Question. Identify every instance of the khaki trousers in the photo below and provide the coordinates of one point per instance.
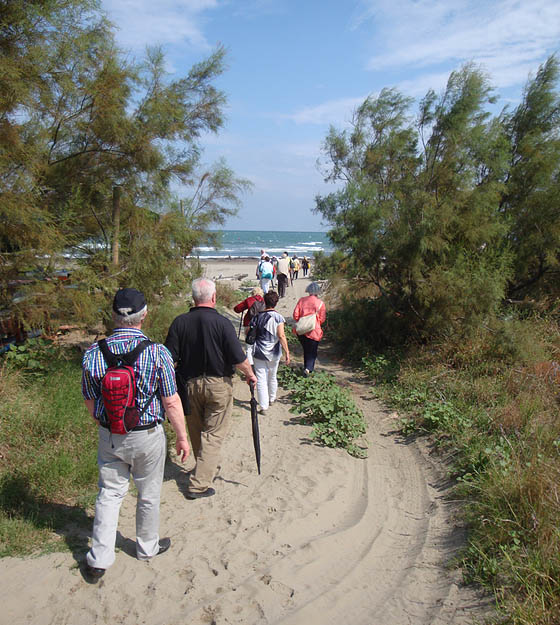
(210, 407)
(142, 455)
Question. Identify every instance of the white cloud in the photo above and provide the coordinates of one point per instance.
(418, 86)
(159, 22)
(331, 112)
(508, 37)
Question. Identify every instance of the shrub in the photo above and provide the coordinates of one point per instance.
(227, 296)
(336, 420)
(160, 317)
(49, 445)
(486, 406)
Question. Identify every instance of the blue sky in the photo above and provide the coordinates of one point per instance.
(297, 67)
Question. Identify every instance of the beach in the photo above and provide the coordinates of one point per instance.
(224, 269)
(319, 537)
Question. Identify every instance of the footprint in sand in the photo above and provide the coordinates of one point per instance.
(284, 592)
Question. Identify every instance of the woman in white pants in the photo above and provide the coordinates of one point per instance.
(271, 340)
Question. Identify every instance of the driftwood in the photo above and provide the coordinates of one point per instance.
(238, 276)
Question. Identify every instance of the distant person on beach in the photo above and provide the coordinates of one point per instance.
(274, 262)
(296, 266)
(206, 350)
(292, 271)
(305, 266)
(283, 271)
(271, 340)
(252, 304)
(141, 452)
(309, 305)
(265, 273)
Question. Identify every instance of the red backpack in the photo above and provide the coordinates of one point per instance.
(118, 388)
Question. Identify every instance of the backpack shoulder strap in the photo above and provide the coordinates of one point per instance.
(255, 319)
(263, 318)
(131, 357)
(110, 358)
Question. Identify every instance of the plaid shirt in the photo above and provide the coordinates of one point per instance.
(153, 370)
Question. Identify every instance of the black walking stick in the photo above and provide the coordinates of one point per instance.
(240, 322)
(255, 426)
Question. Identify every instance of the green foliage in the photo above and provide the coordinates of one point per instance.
(327, 265)
(382, 367)
(32, 357)
(496, 420)
(227, 296)
(49, 443)
(215, 198)
(336, 420)
(451, 212)
(366, 325)
(77, 118)
(160, 317)
(530, 199)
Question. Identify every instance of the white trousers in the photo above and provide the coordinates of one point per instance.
(267, 384)
(142, 455)
(265, 284)
(249, 352)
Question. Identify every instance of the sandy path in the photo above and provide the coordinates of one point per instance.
(318, 538)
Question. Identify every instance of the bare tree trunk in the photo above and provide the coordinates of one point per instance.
(116, 223)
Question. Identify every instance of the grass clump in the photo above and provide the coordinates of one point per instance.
(227, 296)
(495, 416)
(160, 317)
(336, 420)
(48, 469)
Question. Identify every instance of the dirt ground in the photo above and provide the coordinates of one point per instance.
(318, 538)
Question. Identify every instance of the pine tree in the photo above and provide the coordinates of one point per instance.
(78, 118)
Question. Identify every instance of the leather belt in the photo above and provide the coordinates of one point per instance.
(138, 428)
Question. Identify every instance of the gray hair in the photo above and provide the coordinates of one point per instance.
(313, 288)
(129, 321)
(202, 290)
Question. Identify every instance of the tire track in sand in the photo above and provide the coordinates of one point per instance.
(319, 538)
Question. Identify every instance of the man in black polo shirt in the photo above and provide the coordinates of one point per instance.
(206, 351)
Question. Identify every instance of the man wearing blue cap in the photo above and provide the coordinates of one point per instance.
(141, 452)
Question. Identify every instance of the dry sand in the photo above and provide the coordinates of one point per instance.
(318, 538)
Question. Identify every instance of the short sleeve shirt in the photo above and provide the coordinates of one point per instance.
(267, 345)
(153, 370)
(203, 342)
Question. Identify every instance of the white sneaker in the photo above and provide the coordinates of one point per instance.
(263, 411)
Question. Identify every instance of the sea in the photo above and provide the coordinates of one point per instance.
(249, 243)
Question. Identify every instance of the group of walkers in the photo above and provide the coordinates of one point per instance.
(269, 325)
(130, 384)
(190, 375)
(284, 269)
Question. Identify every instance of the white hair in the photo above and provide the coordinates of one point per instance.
(313, 288)
(129, 321)
(202, 290)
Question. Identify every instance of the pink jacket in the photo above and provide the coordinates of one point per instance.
(307, 306)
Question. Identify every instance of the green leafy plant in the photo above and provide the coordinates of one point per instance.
(380, 367)
(32, 356)
(336, 420)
